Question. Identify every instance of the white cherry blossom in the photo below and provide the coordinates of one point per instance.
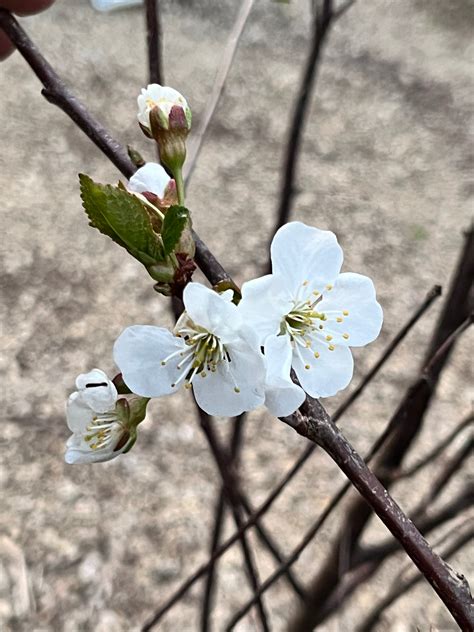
(92, 416)
(210, 350)
(307, 314)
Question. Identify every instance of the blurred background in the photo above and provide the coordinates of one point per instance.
(386, 164)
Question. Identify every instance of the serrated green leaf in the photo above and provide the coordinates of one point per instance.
(123, 217)
(174, 223)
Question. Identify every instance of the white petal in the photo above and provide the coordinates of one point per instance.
(78, 413)
(265, 302)
(327, 374)
(97, 391)
(282, 395)
(303, 254)
(211, 311)
(139, 352)
(355, 294)
(151, 177)
(216, 392)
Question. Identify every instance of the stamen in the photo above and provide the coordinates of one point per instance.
(345, 312)
(331, 347)
(346, 336)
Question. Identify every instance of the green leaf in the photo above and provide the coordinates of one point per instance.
(123, 217)
(174, 223)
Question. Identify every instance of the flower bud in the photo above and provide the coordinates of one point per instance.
(163, 114)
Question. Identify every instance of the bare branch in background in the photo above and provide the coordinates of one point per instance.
(324, 17)
(437, 450)
(154, 42)
(399, 589)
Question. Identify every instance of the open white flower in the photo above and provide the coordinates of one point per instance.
(99, 432)
(169, 103)
(307, 314)
(210, 350)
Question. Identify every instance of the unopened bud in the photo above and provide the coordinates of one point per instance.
(163, 114)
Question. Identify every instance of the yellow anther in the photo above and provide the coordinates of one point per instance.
(203, 373)
(339, 319)
(187, 385)
(316, 354)
(329, 286)
(305, 283)
(346, 336)
(331, 347)
(307, 366)
(345, 312)
(308, 344)
(237, 389)
(316, 293)
(328, 337)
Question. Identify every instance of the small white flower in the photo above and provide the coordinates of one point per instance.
(164, 99)
(98, 433)
(307, 314)
(210, 350)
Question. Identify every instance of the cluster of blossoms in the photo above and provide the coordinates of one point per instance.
(234, 354)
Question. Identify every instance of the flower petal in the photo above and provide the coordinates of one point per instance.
(151, 177)
(282, 395)
(305, 255)
(97, 391)
(213, 312)
(234, 387)
(354, 316)
(140, 351)
(326, 374)
(78, 451)
(78, 413)
(265, 302)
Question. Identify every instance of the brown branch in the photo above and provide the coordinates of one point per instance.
(365, 566)
(316, 425)
(454, 592)
(324, 17)
(154, 38)
(400, 589)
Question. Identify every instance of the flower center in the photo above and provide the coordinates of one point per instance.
(303, 319)
(102, 431)
(203, 352)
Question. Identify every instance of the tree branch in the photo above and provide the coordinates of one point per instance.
(319, 428)
(154, 38)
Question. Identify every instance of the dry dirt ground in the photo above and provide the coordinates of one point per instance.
(385, 165)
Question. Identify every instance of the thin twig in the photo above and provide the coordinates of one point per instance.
(154, 42)
(197, 138)
(435, 453)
